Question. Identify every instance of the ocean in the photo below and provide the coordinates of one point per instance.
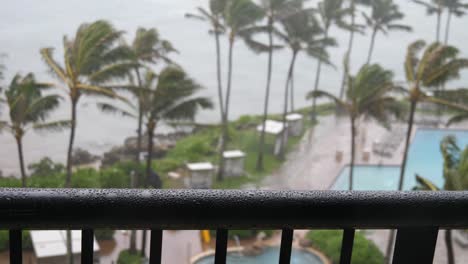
(28, 25)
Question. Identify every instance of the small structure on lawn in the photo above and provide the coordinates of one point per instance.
(234, 161)
(295, 124)
(278, 130)
(50, 247)
(200, 175)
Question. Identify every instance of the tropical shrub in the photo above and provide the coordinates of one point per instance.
(125, 257)
(329, 242)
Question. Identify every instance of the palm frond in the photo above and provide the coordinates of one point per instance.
(424, 184)
(111, 109)
(56, 126)
(54, 67)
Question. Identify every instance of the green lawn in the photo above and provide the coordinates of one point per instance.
(202, 145)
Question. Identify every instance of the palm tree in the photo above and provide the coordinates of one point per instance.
(437, 65)
(28, 109)
(274, 11)
(455, 179)
(368, 95)
(352, 30)
(383, 17)
(301, 33)
(433, 7)
(239, 16)
(214, 17)
(147, 48)
(90, 58)
(454, 7)
(331, 12)
(171, 96)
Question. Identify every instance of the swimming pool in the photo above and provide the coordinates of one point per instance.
(424, 158)
(269, 255)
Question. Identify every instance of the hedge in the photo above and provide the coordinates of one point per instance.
(329, 242)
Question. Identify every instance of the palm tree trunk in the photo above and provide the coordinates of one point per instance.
(226, 111)
(449, 245)
(439, 14)
(149, 158)
(285, 110)
(407, 143)
(19, 143)
(133, 248)
(353, 152)
(218, 75)
(261, 146)
(447, 27)
(371, 48)
(348, 53)
(69, 247)
(413, 105)
(291, 83)
(317, 79)
(69, 172)
(70, 143)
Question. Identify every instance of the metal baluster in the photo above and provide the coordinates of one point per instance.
(221, 246)
(16, 248)
(415, 245)
(286, 246)
(87, 246)
(156, 246)
(347, 246)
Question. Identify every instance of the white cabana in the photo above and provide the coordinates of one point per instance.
(50, 247)
(233, 163)
(200, 175)
(278, 130)
(295, 124)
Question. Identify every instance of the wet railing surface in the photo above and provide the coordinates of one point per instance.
(417, 216)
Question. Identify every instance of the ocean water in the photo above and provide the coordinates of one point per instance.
(424, 159)
(28, 25)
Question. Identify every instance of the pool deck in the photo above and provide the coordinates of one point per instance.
(312, 166)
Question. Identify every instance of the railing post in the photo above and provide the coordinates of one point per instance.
(16, 248)
(87, 246)
(286, 245)
(156, 246)
(347, 246)
(221, 246)
(415, 245)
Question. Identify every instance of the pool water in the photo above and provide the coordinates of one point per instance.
(424, 159)
(269, 255)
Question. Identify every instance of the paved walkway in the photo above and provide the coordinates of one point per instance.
(312, 166)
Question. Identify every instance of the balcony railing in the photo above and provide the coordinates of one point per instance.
(417, 216)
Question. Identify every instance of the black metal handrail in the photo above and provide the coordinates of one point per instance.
(417, 215)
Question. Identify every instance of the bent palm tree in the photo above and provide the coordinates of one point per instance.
(433, 7)
(146, 48)
(383, 17)
(28, 109)
(331, 12)
(437, 65)
(274, 11)
(455, 8)
(455, 179)
(301, 33)
(353, 28)
(171, 96)
(214, 17)
(90, 58)
(239, 16)
(368, 95)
